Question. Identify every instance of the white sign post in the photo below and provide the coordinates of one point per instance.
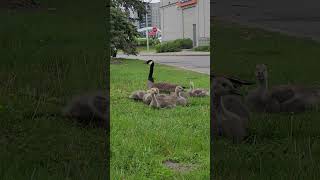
(147, 33)
(146, 29)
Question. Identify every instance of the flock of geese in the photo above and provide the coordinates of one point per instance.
(164, 94)
(232, 112)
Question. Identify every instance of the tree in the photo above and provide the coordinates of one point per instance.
(122, 31)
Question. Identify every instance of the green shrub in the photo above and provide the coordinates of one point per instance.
(141, 41)
(202, 48)
(184, 43)
(169, 46)
(155, 42)
(174, 46)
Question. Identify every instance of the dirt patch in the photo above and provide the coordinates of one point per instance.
(179, 167)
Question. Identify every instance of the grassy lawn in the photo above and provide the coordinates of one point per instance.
(46, 58)
(202, 48)
(282, 146)
(141, 137)
(144, 49)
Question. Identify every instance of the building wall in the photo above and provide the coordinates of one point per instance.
(171, 21)
(178, 22)
(204, 22)
(155, 13)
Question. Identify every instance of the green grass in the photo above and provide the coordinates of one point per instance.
(202, 48)
(144, 49)
(282, 146)
(142, 137)
(46, 58)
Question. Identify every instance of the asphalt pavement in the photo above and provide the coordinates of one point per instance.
(190, 61)
(293, 17)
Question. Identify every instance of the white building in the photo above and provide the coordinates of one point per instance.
(153, 16)
(186, 19)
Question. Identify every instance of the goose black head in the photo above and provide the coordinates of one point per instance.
(222, 86)
(149, 62)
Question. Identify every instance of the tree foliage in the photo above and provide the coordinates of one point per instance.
(122, 31)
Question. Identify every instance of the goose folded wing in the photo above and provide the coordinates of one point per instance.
(165, 87)
(282, 93)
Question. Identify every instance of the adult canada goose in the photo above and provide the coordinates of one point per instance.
(282, 98)
(237, 82)
(88, 108)
(197, 92)
(137, 95)
(229, 121)
(161, 101)
(162, 86)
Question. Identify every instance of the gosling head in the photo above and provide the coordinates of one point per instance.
(261, 72)
(222, 86)
(153, 91)
(179, 89)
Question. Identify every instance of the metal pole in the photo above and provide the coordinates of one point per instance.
(146, 27)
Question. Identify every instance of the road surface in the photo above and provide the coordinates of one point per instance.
(294, 17)
(199, 64)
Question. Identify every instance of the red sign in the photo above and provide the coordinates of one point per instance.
(183, 3)
(152, 33)
(154, 29)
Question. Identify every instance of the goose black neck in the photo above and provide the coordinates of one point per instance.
(150, 78)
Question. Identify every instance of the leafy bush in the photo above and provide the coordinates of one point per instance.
(169, 46)
(155, 42)
(202, 48)
(184, 43)
(174, 46)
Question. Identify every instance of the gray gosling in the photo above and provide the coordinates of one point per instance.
(227, 122)
(88, 108)
(161, 101)
(197, 92)
(137, 95)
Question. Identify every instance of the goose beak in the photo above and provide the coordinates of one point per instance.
(236, 91)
